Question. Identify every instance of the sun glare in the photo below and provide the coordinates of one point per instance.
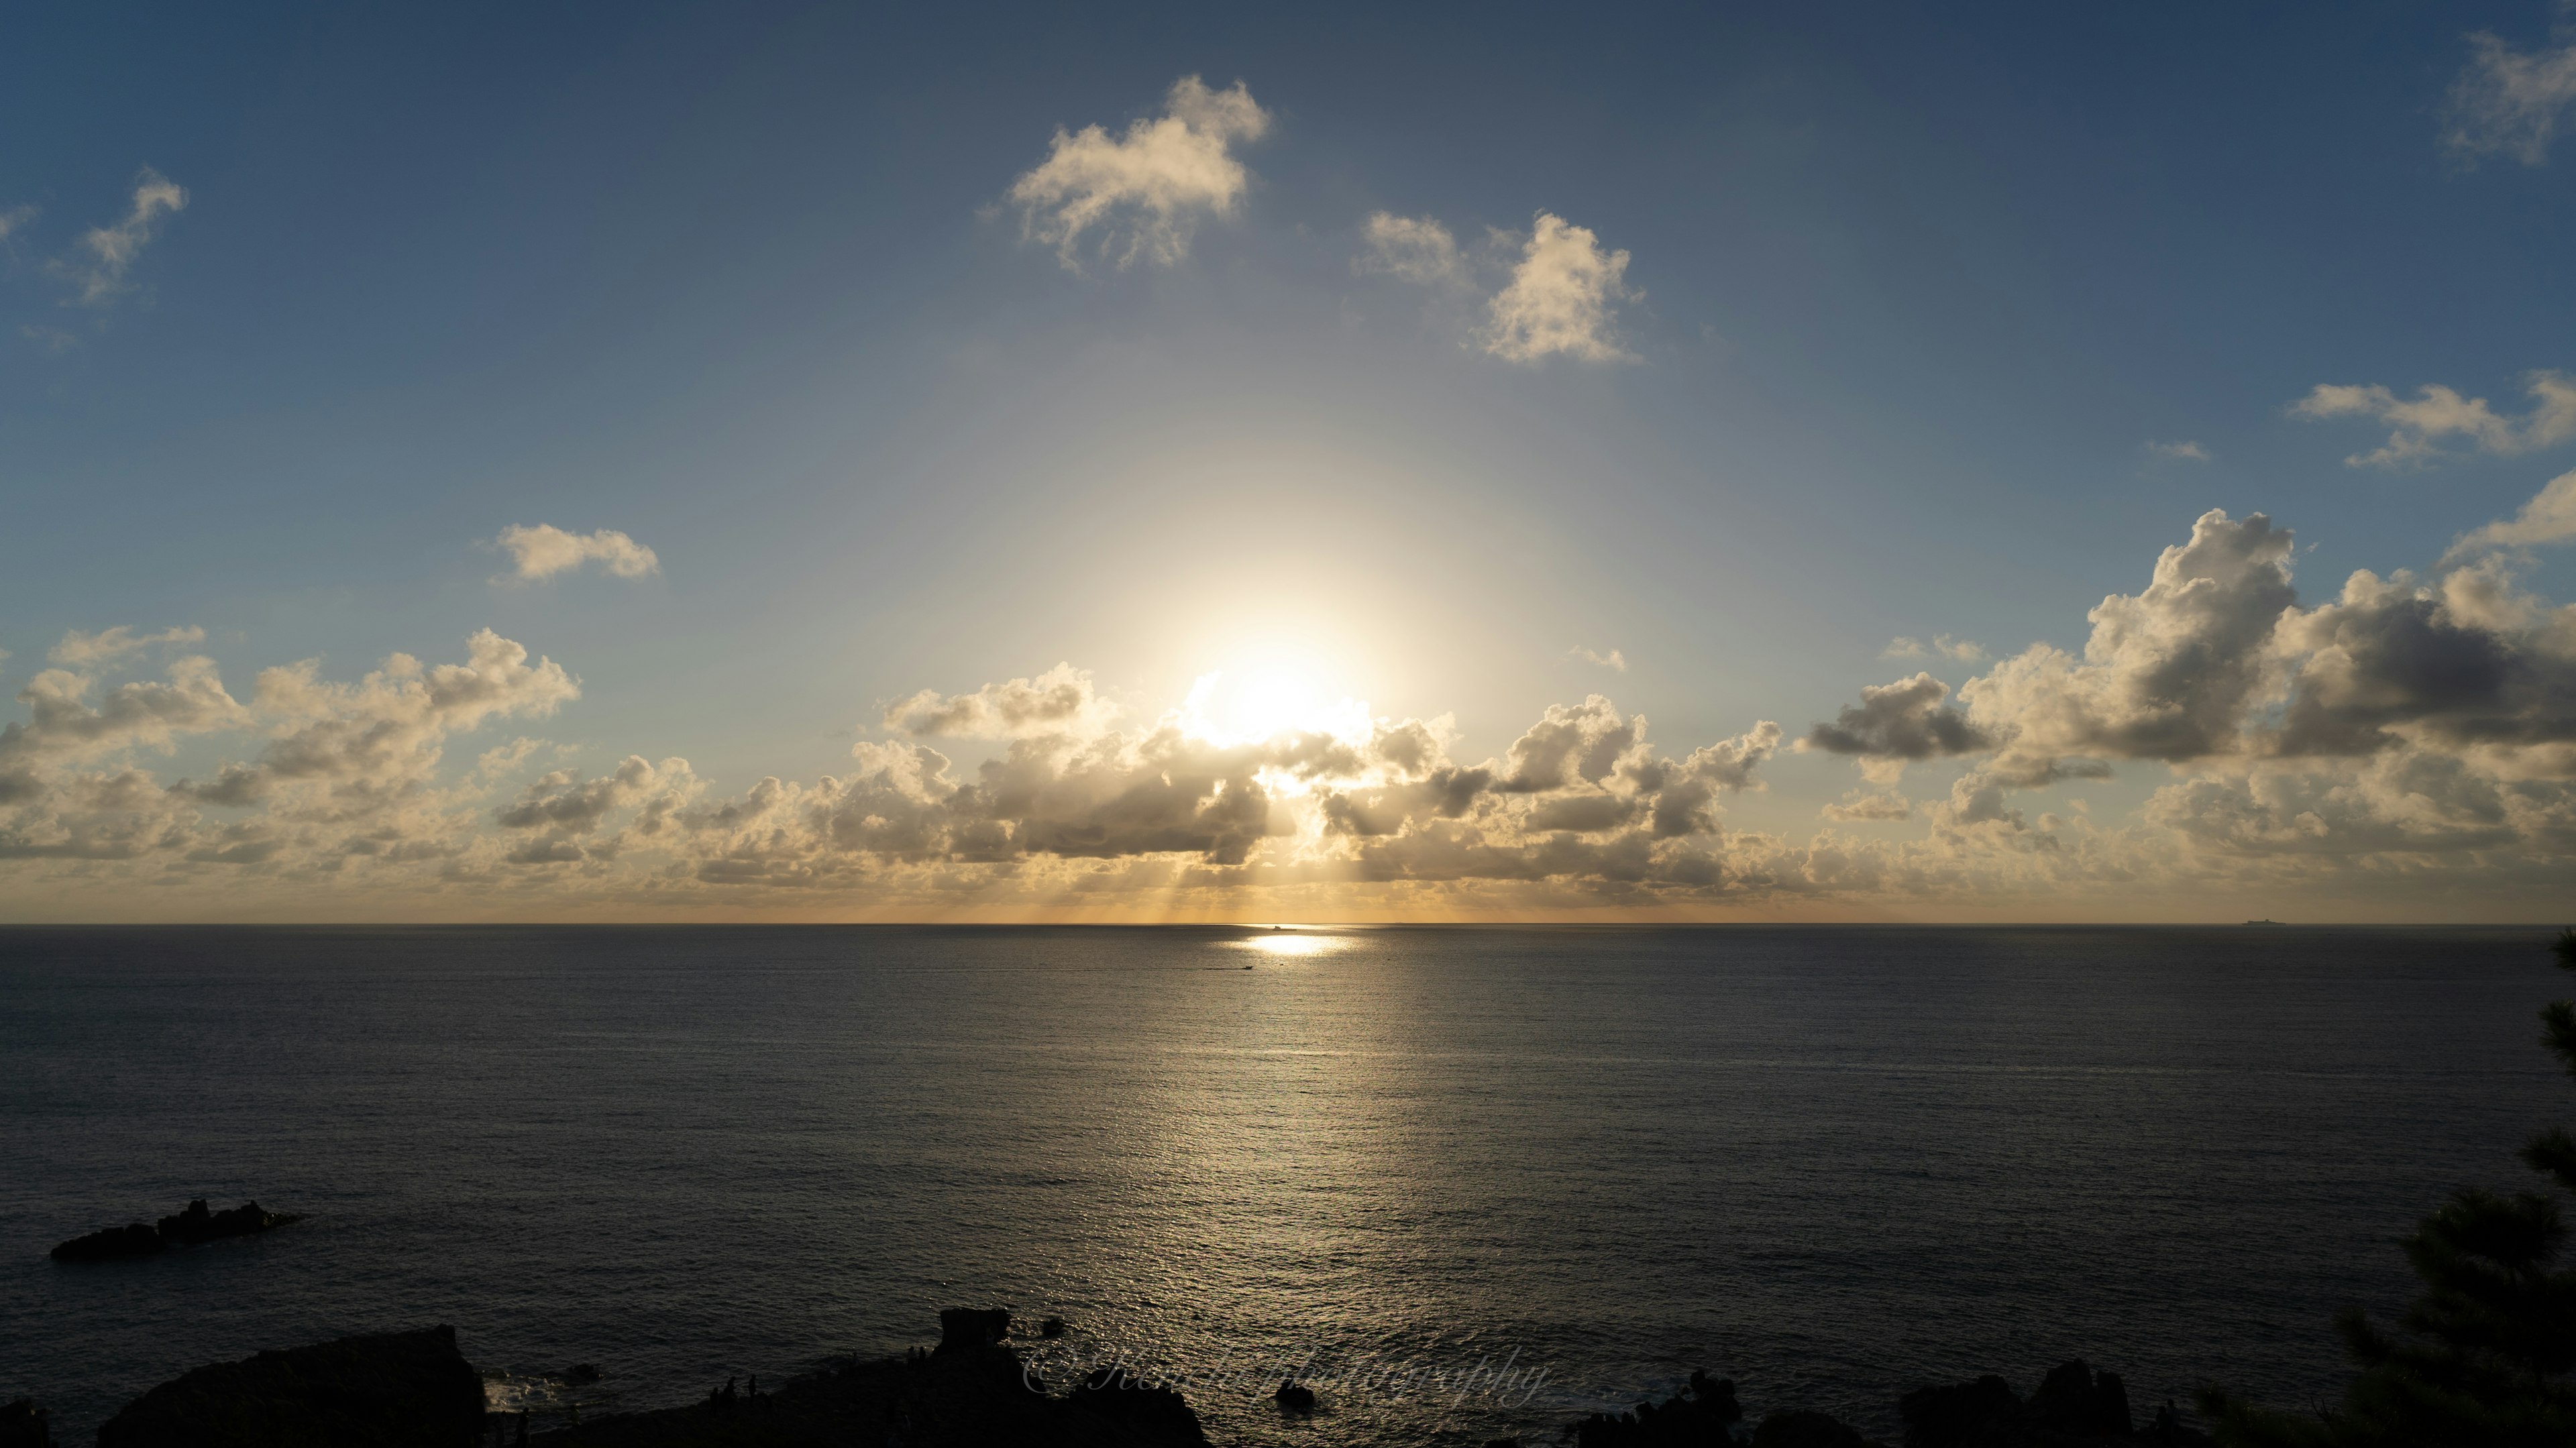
(1269, 702)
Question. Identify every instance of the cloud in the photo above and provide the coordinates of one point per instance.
(2406, 744)
(1143, 192)
(1908, 720)
(2509, 100)
(1614, 660)
(2179, 451)
(1887, 805)
(85, 650)
(2419, 427)
(1562, 298)
(1059, 701)
(1964, 650)
(546, 550)
(2550, 517)
(1412, 249)
(15, 219)
(96, 271)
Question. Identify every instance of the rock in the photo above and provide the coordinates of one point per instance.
(24, 1425)
(181, 1229)
(1805, 1430)
(1959, 1415)
(1053, 1327)
(1294, 1397)
(965, 1329)
(388, 1390)
(111, 1244)
(196, 1224)
(1704, 1413)
(2075, 1400)
(584, 1373)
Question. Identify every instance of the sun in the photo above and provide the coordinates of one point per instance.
(1268, 702)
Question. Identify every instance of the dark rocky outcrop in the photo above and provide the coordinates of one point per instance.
(2074, 1407)
(1806, 1430)
(1704, 1413)
(180, 1229)
(1294, 1398)
(972, 1392)
(24, 1425)
(971, 1329)
(387, 1390)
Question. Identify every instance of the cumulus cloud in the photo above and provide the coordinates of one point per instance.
(1143, 192)
(1562, 299)
(2179, 451)
(2549, 517)
(2405, 739)
(546, 550)
(96, 270)
(1413, 249)
(2419, 427)
(1614, 661)
(1062, 700)
(2509, 101)
(80, 650)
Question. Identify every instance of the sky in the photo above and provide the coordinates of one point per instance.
(634, 462)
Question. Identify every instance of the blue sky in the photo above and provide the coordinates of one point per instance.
(1909, 299)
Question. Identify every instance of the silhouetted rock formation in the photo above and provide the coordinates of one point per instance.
(1704, 1413)
(388, 1390)
(24, 1425)
(1294, 1397)
(2075, 1407)
(971, 1393)
(1806, 1430)
(181, 1229)
(971, 1328)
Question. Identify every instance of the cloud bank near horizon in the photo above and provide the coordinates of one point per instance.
(2408, 736)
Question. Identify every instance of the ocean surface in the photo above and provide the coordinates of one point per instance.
(1833, 1163)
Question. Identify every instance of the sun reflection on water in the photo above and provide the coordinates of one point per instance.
(1294, 943)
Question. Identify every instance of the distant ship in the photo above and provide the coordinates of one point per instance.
(2262, 922)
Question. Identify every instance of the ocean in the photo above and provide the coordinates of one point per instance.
(1475, 1181)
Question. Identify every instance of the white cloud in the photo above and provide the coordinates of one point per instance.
(1059, 701)
(2418, 427)
(1143, 192)
(1614, 660)
(96, 272)
(2179, 451)
(546, 550)
(1887, 805)
(2509, 100)
(13, 219)
(86, 650)
(2550, 517)
(1412, 249)
(1562, 298)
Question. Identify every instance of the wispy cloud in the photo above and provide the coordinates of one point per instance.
(1562, 299)
(1411, 248)
(2550, 517)
(1143, 192)
(80, 650)
(546, 550)
(2420, 426)
(2180, 451)
(96, 270)
(1946, 646)
(2509, 100)
(1614, 660)
(13, 219)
